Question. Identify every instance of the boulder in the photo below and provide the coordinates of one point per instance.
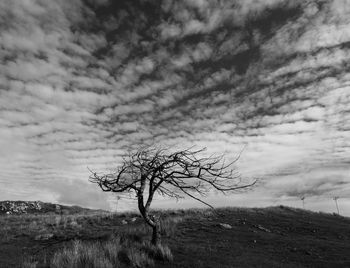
(225, 226)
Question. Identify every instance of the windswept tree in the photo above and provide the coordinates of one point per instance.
(176, 174)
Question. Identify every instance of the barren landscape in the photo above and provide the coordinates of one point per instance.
(226, 237)
(174, 133)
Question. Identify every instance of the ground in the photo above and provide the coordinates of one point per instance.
(263, 237)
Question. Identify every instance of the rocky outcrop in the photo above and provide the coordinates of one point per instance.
(38, 207)
(20, 207)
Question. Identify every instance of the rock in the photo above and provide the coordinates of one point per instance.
(19, 207)
(263, 229)
(225, 226)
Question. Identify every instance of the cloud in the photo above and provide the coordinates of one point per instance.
(82, 82)
(78, 192)
(315, 182)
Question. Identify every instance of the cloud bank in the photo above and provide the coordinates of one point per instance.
(83, 81)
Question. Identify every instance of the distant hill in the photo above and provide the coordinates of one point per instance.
(38, 207)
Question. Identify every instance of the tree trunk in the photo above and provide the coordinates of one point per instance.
(151, 220)
(156, 236)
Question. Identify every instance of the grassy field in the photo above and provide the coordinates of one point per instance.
(269, 237)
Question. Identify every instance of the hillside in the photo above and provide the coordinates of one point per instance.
(271, 237)
(228, 237)
(37, 207)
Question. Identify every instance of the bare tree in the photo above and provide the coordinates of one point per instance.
(173, 174)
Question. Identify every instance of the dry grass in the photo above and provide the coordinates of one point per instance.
(29, 263)
(158, 252)
(297, 238)
(32, 225)
(81, 255)
(127, 246)
(115, 252)
(168, 225)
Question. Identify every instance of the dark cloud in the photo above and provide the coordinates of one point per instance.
(81, 82)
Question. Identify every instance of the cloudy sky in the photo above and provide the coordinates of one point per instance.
(82, 81)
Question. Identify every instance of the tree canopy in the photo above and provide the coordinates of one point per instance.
(172, 174)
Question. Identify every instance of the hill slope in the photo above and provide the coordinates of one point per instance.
(269, 237)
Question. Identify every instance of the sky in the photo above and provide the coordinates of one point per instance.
(83, 81)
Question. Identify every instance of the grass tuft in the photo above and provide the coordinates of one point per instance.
(83, 255)
(116, 252)
(158, 252)
(29, 263)
(134, 257)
